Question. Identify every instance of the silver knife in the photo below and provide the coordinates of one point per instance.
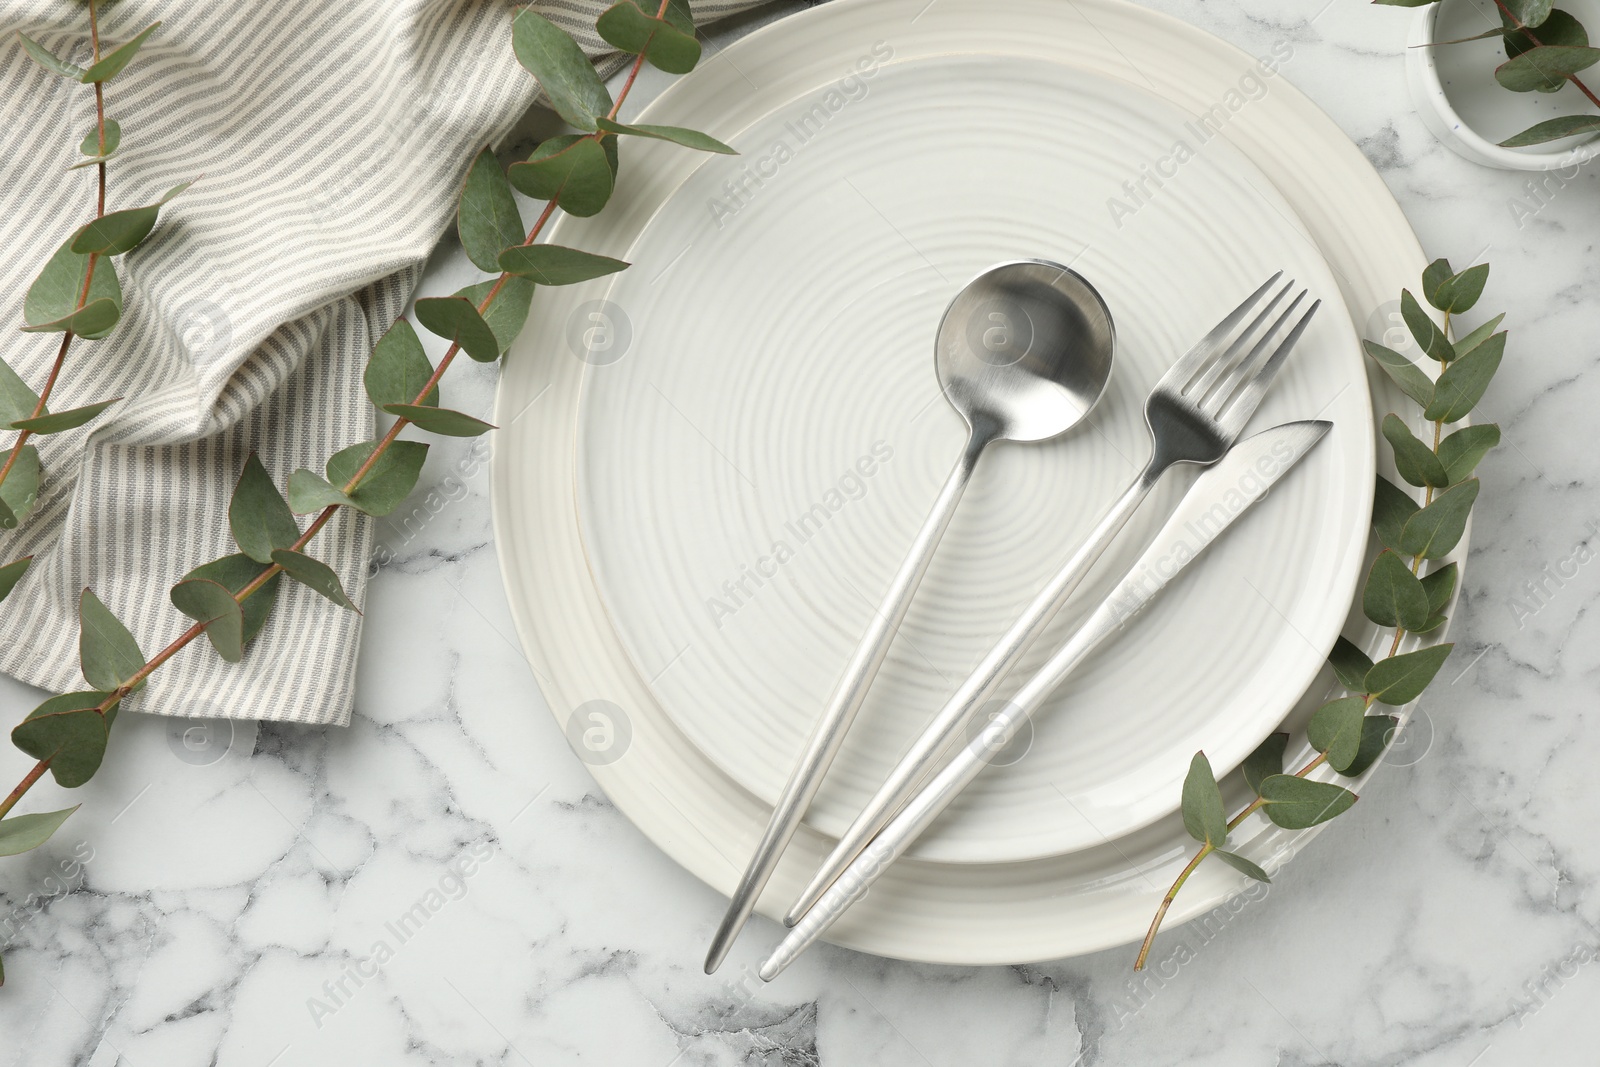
(1216, 499)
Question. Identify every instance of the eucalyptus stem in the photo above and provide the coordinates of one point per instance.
(1166, 902)
(23, 786)
(116, 696)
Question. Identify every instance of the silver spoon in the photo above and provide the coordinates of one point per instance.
(1023, 353)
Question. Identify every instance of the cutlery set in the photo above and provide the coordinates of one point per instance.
(1023, 353)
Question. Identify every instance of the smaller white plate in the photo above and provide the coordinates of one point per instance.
(751, 472)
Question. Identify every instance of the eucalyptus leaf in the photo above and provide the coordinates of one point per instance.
(48, 59)
(694, 139)
(440, 420)
(564, 73)
(61, 421)
(92, 161)
(507, 312)
(398, 369)
(19, 493)
(1553, 130)
(680, 15)
(1203, 815)
(456, 319)
(235, 574)
(382, 489)
(1415, 461)
(1435, 530)
(107, 652)
(90, 145)
(258, 516)
(314, 574)
(556, 265)
(1464, 382)
(1461, 451)
(17, 401)
(94, 319)
(1400, 679)
(52, 299)
(1350, 665)
(1545, 68)
(1412, 379)
(1475, 338)
(210, 603)
(486, 216)
(112, 64)
(70, 733)
(1393, 596)
(1432, 624)
(310, 491)
(1437, 273)
(571, 170)
(1440, 585)
(1335, 730)
(390, 480)
(121, 231)
(1391, 508)
(1559, 27)
(12, 573)
(1297, 803)
(1461, 292)
(608, 145)
(1531, 13)
(1266, 760)
(628, 28)
(1376, 730)
(1240, 864)
(1427, 333)
(23, 833)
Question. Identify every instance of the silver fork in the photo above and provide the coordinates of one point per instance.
(1195, 414)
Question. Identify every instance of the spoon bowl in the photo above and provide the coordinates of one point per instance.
(1025, 350)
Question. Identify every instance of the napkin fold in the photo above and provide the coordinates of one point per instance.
(329, 142)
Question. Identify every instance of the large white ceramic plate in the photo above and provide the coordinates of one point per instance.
(959, 913)
(752, 469)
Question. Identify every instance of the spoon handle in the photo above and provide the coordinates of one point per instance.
(953, 720)
(828, 734)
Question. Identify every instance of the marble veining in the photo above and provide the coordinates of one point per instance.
(442, 882)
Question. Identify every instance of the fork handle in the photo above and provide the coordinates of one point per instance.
(828, 734)
(946, 730)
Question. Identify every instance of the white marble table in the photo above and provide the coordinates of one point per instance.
(443, 882)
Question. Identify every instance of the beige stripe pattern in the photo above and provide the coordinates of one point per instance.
(331, 140)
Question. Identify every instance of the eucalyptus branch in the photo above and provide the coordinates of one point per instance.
(1527, 31)
(77, 294)
(231, 598)
(1542, 61)
(1397, 594)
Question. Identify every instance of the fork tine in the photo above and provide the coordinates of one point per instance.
(1238, 412)
(1213, 402)
(1180, 372)
(1230, 359)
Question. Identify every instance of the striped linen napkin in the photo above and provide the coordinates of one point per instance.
(333, 139)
